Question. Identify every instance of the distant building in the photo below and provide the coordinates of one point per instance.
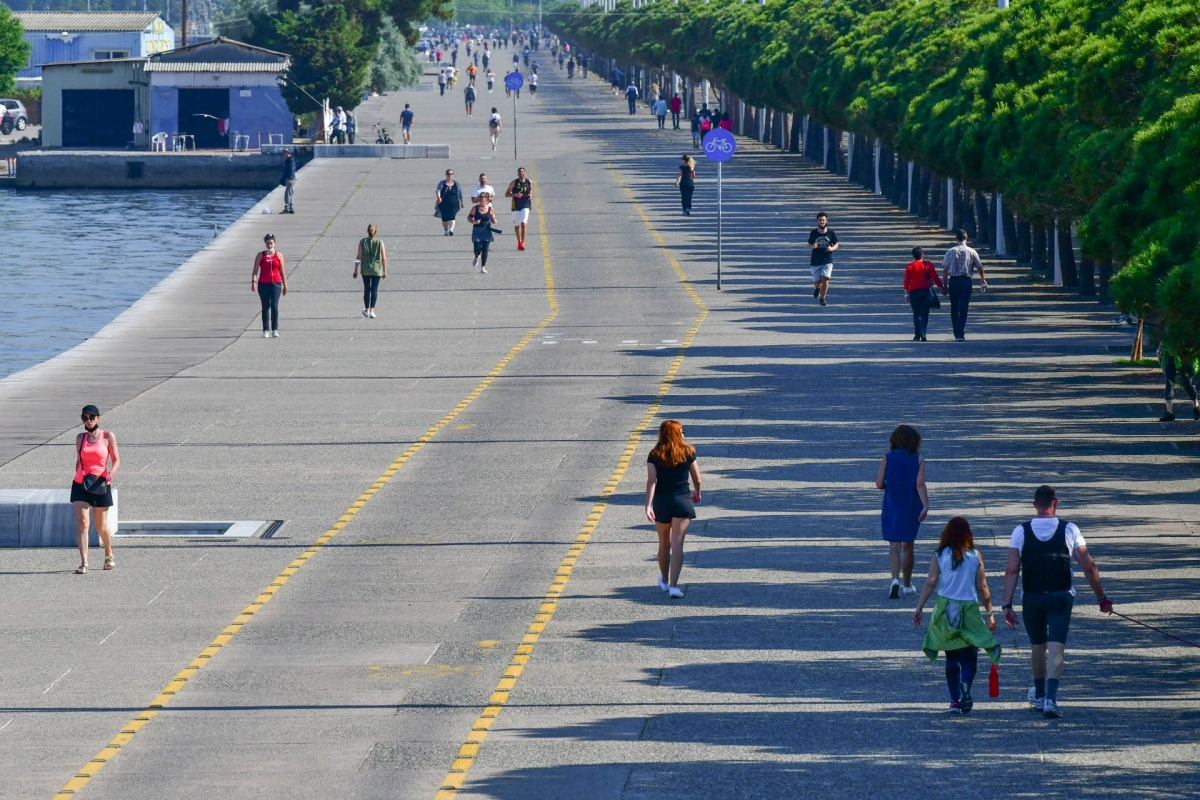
(207, 95)
(61, 36)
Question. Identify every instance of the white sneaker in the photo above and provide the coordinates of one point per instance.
(663, 584)
(266, 334)
(675, 592)
(371, 313)
(908, 589)
(483, 270)
(274, 334)
(1035, 703)
(894, 590)
(365, 314)
(1050, 709)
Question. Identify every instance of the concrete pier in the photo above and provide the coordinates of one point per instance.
(87, 169)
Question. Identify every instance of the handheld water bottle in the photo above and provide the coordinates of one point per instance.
(994, 682)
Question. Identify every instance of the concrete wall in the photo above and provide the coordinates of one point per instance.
(164, 110)
(67, 169)
(381, 151)
(259, 108)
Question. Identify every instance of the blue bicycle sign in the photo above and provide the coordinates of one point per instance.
(514, 81)
(719, 145)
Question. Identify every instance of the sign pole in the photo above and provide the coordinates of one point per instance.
(720, 184)
(513, 82)
(515, 125)
(719, 145)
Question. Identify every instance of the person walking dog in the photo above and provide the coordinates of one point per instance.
(668, 504)
(957, 627)
(95, 450)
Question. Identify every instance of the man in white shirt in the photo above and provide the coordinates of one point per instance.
(482, 189)
(1043, 548)
(958, 267)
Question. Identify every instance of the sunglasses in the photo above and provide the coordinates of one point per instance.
(88, 417)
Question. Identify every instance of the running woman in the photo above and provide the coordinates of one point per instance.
(521, 192)
(668, 504)
(406, 123)
(957, 628)
(91, 488)
(491, 80)
(507, 91)
(822, 241)
(372, 262)
(270, 281)
(494, 126)
(1042, 550)
(533, 79)
(482, 217)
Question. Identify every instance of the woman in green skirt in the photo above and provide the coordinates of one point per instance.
(957, 627)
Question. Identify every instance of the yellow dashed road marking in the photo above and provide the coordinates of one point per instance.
(177, 684)
(470, 749)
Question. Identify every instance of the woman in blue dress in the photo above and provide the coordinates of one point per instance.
(905, 503)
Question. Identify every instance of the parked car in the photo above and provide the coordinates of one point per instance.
(14, 116)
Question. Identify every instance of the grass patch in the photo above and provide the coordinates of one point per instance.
(1144, 362)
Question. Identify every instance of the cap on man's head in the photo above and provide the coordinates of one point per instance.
(90, 409)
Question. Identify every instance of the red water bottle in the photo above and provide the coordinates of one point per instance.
(994, 682)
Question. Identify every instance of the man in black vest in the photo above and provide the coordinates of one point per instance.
(1042, 549)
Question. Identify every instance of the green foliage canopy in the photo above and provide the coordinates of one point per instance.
(14, 50)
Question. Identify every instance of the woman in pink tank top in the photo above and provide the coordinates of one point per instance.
(91, 489)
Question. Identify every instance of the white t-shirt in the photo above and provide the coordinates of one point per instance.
(533, 79)
(481, 190)
(494, 121)
(1043, 529)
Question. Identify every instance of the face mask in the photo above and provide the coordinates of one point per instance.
(93, 428)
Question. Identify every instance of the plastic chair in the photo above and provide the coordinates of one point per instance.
(158, 142)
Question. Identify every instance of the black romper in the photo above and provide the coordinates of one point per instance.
(672, 495)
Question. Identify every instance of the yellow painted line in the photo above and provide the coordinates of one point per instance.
(469, 751)
(177, 684)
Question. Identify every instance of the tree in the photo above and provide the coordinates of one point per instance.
(395, 63)
(14, 50)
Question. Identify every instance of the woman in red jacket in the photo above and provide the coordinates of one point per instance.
(919, 279)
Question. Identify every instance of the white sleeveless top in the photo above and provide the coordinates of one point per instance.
(958, 584)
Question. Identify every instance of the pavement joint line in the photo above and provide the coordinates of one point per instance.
(90, 769)
(469, 750)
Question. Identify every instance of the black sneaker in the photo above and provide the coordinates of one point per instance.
(1195, 412)
(816, 293)
(967, 703)
(916, 338)
(1167, 417)
(823, 302)
(923, 339)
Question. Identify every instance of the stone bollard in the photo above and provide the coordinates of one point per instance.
(43, 518)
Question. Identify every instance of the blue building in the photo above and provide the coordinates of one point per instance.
(65, 36)
(217, 91)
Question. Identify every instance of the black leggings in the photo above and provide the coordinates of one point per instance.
(1172, 373)
(370, 290)
(685, 196)
(481, 250)
(961, 666)
(269, 294)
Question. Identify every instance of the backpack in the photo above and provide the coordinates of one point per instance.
(705, 124)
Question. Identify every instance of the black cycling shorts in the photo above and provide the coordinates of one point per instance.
(1047, 616)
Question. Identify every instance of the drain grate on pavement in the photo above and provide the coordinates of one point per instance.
(187, 529)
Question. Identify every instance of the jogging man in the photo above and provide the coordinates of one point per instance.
(406, 121)
(484, 188)
(494, 126)
(521, 192)
(822, 241)
(959, 265)
(1042, 550)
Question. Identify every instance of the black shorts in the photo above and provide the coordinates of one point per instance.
(669, 508)
(1047, 616)
(78, 495)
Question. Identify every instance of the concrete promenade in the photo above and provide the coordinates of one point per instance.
(784, 673)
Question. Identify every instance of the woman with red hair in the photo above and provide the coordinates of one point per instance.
(670, 504)
(957, 627)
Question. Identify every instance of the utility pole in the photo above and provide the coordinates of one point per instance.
(185, 21)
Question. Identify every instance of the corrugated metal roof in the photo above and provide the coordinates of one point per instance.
(58, 21)
(216, 66)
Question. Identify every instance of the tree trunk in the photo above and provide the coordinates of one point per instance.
(984, 219)
(937, 198)
(1087, 277)
(1024, 242)
(794, 144)
(1106, 272)
(1039, 249)
(1136, 355)
(1009, 222)
(1066, 254)
(899, 192)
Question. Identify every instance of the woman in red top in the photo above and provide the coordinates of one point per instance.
(919, 278)
(91, 489)
(270, 281)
